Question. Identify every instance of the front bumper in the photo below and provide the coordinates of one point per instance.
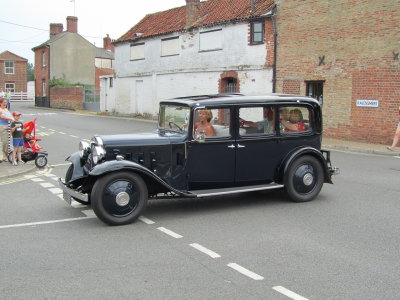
(70, 194)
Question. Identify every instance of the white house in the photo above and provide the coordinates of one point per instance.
(205, 47)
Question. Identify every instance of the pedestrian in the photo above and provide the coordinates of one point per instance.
(17, 130)
(5, 119)
(396, 137)
(8, 98)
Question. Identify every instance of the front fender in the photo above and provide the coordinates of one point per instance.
(75, 159)
(118, 165)
(293, 155)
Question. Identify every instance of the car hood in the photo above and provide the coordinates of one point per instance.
(138, 139)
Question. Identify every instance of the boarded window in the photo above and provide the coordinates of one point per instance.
(170, 46)
(137, 51)
(211, 40)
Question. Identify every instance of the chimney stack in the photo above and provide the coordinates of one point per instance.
(192, 12)
(107, 43)
(72, 24)
(55, 28)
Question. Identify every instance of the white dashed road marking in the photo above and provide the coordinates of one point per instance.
(170, 233)
(245, 272)
(145, 220)
(288, 293)
(205, 250)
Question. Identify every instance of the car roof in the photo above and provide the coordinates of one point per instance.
(234, 99)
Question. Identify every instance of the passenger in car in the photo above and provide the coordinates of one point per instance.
(266, 125)
(204, 125)
(295, 122)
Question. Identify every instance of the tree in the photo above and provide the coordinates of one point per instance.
(30, 72)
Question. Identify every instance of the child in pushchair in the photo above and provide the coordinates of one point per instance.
(31, 149)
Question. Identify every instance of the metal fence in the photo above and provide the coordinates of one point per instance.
(91, 100)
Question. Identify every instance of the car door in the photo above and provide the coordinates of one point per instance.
(211, 162)
(257, 146)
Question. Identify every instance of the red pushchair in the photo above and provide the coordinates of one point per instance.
(31, 150)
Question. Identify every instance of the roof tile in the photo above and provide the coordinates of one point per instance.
(211, 12)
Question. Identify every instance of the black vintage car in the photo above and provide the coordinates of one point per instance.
(204, 146)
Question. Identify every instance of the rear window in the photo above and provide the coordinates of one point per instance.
(294, 119)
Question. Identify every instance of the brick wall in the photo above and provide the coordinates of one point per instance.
(67, 97)
(351, 46)
(41, 72)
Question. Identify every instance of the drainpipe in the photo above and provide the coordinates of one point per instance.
(273, 18)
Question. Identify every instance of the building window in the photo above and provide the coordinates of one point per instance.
(111, 82)
(257, 32)
(44, 88)
(170, 46)
(137, 51)
(229, 85)
(10, 87)
(211, 40)
(9, 67)
(43, 59)
(315, 89)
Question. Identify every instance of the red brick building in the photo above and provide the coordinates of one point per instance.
(13, 72)
(346, 52)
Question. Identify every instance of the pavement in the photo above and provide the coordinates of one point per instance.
(8, 171)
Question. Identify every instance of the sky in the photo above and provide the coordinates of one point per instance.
(25, 24)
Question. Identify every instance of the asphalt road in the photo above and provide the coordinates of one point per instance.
(342, 245)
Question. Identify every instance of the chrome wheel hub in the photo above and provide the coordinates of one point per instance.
(308, 179)
(122, 198)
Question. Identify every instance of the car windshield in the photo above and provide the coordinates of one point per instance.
(174, 118)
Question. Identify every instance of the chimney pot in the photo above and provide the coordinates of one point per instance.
(192, 12)
(72, 24)
(55, 28)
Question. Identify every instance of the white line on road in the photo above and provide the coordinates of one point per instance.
(245, 272)
(44, 222)
(55, 190)
(145, 220)
(288, 293)
(205, 250)
(169, 232)
(47, 184)
(37, 179)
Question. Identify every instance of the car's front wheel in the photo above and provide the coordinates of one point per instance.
(119, 198)
(304, 179)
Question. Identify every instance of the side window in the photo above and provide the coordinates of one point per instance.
(211, 123)
(256, 120)
(295, 119)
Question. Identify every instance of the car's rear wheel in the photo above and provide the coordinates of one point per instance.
(119, 198)
(304, 179)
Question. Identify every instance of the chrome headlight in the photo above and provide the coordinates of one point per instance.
(83, 147)
(98, 153)
(97, 141)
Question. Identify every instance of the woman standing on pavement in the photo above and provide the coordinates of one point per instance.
(5, 119)
(396, 137)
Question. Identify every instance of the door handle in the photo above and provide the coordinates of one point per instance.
(231, 146)
(241, 146)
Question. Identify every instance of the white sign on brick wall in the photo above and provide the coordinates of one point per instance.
(367, 103)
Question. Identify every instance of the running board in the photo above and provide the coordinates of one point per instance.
(233, 190)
